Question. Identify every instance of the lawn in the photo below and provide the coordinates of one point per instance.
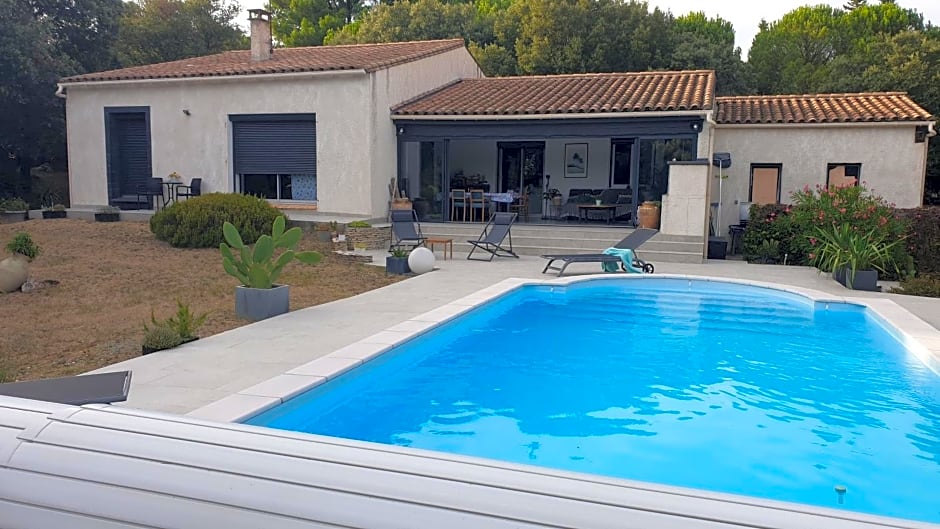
(112, 274)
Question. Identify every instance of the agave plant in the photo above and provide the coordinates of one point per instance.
(259, 267)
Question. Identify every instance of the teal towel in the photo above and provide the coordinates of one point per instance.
(626, 257)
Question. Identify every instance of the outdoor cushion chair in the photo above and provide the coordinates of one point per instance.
(491, 239)
(630, 242)
(406, 231)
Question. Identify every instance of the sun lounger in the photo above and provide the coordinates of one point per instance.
(491, 240)
(103, 388)
(631, 242)
(406, 231)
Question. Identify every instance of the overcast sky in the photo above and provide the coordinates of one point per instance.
(744, 14)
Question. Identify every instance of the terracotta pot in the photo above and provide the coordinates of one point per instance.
(648, 216)
(14, 271)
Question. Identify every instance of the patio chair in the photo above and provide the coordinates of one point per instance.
(477, 202)
(458, 201)
(153, 190)
(406, 231)
(630, 242)
(491, 239)
(194, 189)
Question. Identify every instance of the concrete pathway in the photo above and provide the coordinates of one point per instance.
(191, 376)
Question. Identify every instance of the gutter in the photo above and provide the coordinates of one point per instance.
(216, 78)
(567, 115)
(60, 91)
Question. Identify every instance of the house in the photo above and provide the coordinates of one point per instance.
(333, 125)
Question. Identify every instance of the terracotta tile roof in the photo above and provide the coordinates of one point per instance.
(568, 94)
(820, 108)
(369, 57)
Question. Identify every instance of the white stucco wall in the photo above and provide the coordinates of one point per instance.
(685, 208)
(892, 164)
(397, 85)
(199, 145)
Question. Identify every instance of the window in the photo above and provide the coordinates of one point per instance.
(655, 155)
(843, 174)
(765, 183)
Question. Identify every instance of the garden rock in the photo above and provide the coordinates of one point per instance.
(32, 285)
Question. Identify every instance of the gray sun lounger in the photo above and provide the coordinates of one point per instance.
(630, 242)
(491, 240)
(103, 388)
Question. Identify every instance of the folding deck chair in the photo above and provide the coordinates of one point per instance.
(491, 239)
(630, 242)
(406, 231)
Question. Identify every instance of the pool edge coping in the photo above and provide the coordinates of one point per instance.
(919, 337)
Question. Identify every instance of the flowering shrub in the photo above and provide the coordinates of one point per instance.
(796, 227)
(923, 239)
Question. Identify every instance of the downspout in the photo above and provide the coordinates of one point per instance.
(60, 91)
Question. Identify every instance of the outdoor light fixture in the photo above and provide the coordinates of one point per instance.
(186, 111)
(695, 126)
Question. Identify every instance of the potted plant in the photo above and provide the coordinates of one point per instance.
(176, 330)
(14, 270)
(108, 214)
(56, 211)
(13, 210)
(553, 195)
(648, 214)
(397, 262)
(854, 258)
(260, 296)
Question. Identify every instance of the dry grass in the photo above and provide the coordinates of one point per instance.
(112, 275)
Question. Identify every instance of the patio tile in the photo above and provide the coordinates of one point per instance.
(413, 326)
(327, 367)
(388, 337)
(360, 351)
(234, 408)
(283, 386)
(441, 314)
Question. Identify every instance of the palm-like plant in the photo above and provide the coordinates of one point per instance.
(842, 247)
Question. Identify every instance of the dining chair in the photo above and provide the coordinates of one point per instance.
(152, 190)
(477, 202)
(521, 207)
(194, 189)
(458, 199)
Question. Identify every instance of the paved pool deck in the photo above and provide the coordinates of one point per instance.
(189, 377)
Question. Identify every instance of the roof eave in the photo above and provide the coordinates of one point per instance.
(566, 115)
(230, 77)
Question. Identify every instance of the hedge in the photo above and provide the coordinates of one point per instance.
(197, 222)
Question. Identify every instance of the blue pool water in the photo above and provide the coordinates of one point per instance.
(716, 386)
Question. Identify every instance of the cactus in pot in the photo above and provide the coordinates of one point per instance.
(259, 268)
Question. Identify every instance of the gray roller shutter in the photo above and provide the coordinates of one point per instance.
(275, 145)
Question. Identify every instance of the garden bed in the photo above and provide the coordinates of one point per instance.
(111, 275)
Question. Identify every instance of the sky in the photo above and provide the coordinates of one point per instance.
(744, 14)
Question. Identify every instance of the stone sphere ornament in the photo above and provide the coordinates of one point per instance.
(421, 260)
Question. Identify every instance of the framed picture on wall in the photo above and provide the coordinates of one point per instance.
(576, 158)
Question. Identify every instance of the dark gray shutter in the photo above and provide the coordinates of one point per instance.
(275, 146)
(135, 153)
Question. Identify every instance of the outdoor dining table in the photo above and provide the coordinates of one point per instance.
(502, 198)
(171, 188)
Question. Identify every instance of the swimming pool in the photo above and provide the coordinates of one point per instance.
(718, 386)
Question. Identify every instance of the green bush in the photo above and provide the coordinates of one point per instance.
(23, 244)
(184, 323)
(13, 204)
(796, 227)
(358, 224)
(197, 222)
(161, 337)
(923, 238)
(925, 285)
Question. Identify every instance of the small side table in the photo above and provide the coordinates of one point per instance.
(431, 241)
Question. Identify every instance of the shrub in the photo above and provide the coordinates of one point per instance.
(185, 322)
(925, 285)
(13, 204)
(358, 224)
(161, 337)
(772, 222)
(197, 222)
(923, 238)
(23, 244)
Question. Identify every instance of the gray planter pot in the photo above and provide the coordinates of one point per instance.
(396, 265)
(9, 217)
(863, 280)
(257, 304)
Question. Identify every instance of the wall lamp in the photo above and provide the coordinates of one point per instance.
(186, 111)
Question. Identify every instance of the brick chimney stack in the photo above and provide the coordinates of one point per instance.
(261, 44)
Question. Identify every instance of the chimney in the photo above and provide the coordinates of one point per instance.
(261, 46)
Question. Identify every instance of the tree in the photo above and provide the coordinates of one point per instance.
(853, 4)
(155, 31)
(704, 43)
(308, 22)
(41, 41)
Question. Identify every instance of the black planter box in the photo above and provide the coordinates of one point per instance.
(717, 248)
(54, 214)
(107, 217)
(864, 279)
(396, 265)
(9, 217)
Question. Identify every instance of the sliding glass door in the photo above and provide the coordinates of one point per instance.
(522, 170)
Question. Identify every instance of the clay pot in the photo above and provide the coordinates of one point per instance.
(14, 271)
(648, 215)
